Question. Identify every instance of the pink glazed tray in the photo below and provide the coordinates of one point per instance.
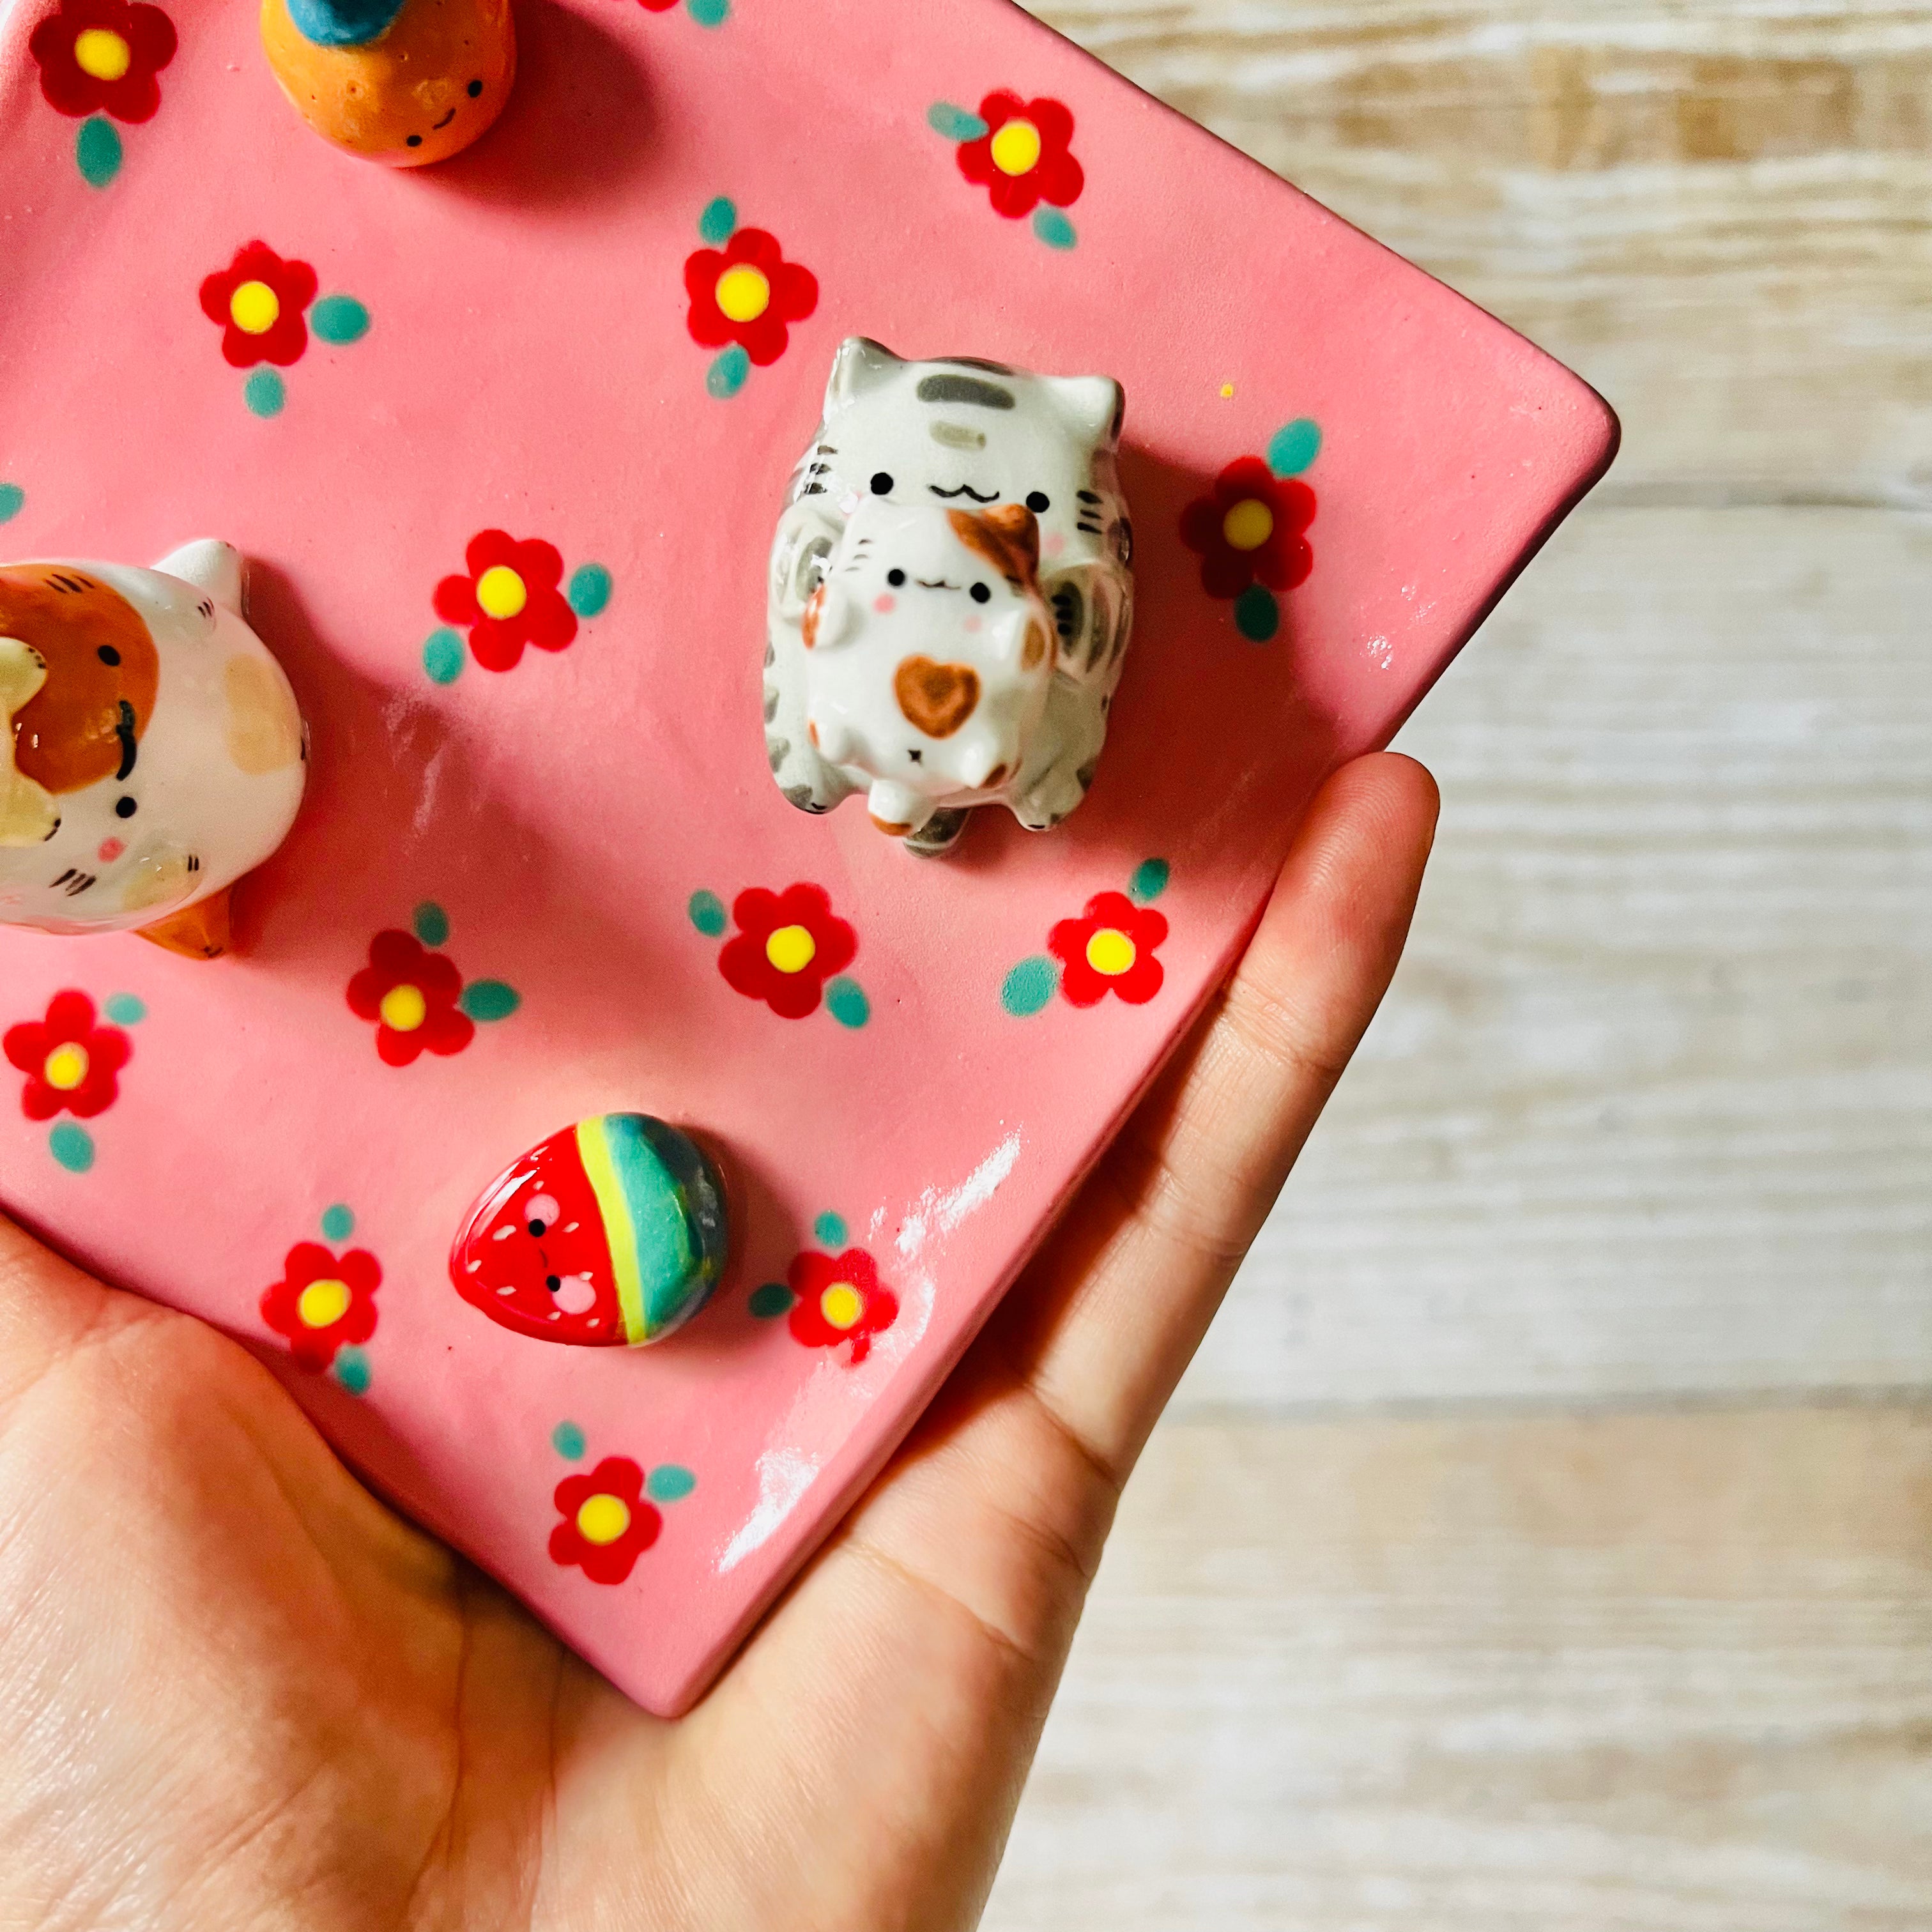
(505, 343)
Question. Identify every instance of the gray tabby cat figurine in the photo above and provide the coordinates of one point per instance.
(950, 596)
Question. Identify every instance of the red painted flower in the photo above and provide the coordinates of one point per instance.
(322, 1303)
(1110, 948)
(840, 1301)
(1249, 530)
(748, 293)
(259, 299)
(509, 599)
(606, 1523)
(71, 1064)
(101, 57)
(1025, 156)
(411, 993)
(786, 945)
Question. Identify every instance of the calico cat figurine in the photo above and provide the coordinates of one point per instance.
(1037, 455)
(930, 652)
(151, 749)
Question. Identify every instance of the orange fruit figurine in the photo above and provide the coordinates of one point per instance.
(407, 82)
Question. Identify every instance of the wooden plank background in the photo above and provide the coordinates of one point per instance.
(1542, 1539)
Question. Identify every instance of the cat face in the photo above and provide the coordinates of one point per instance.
(929, 649)
(970, 436)
(156, 749)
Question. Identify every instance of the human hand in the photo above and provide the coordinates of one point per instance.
(237, 1691)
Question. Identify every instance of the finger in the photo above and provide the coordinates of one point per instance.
(1001, 1498)
(1114, 1308)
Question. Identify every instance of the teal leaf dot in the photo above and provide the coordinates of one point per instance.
(845, 1000)
(339, 318)
(338, 1222)
(431, 923)
(12, 496)
(442, 656)
(1030, 986)
(1293, 447)
(490, 999)
(73, 1147)
(726, 376)
(719, 221)
(709, 13)
(955, 123)
(264, 393)
(1149, 879)
(1257, 615)
(125, 1009)
(97, 151)
(707, 913)
(773, 1299)
(352, 1370)
(1053, 228)
(830, 1230)
(669, 1482)
(589, 589)
(567, 1439)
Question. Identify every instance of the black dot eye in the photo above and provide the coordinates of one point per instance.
(881, 484)
(537, 1228)
(414, 141)
(552, 1283)
(123, 808)
(475, 89)
(108, 655)
(896, 578)
(981, 594)
(1039, 502)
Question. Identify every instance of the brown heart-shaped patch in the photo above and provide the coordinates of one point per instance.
(936, 698)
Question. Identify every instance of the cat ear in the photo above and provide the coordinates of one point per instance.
(831, 617)
(210, 567)
(860, 365)
(1096, 403)
(1021, 528)
(1007, 538)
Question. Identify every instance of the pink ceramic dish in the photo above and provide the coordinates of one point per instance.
(556, 824)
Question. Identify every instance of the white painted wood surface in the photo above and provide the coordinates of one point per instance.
(1650, 1108)
(1632, 1674)
(1415, 1620)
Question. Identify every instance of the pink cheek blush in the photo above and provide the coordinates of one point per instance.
(1055, 544)
(971, 627)
(578, 1296)
(111, 849)
(885, 603)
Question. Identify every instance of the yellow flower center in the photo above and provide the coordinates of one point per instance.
(1016, 148)
(743, 293)
(66, 1067)
(603, 1518)
(842, 1304)
(791, 949)
(404, 1009)
(1111, 952)
(254, 308)
(1248, 525)
(103, 54)
(501, 592)
(322, 1303)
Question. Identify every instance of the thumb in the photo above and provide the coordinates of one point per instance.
(49, 1308)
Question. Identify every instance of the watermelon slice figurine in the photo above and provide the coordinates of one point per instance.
(613, 1231)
